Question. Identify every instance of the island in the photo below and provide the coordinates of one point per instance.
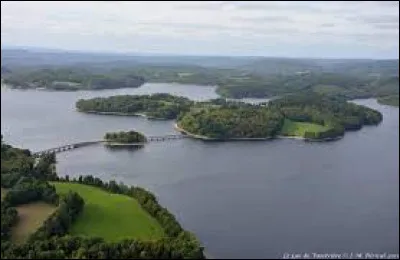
(124, 138)
(389, 100)
(309, 116)
(156, 106)
(46, 216)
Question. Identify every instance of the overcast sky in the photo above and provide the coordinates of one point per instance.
(290, 29)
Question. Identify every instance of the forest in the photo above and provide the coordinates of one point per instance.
(250, 77)
(389, 100)
(125, 137)
(160, 106)
(70, 79)
(236, 120)
(25, 182)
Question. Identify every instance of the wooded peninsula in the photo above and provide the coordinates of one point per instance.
(46, 216)
(389, 100)
(310, 116)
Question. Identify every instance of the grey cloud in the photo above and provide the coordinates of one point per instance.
(278, 6)
(390, 19)
(327, 25)
(204, 5)
(394, 4)
(252, 6)
(266, 18)
(172, 25)
(222, 29)
(382, 22)
(387, 26)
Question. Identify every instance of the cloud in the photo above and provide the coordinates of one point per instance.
(264, 18)
(222, 27)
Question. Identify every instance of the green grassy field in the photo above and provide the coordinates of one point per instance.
(30, 217)
(111, 216)
(292, 128)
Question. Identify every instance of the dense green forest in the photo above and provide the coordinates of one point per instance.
(234, 77)
(237, 120)
(230, 122)
(389, 100)
(332, 84)
(70, 79)
(125, 137)
(27, 182)
(162, 106)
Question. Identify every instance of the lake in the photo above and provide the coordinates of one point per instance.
(241, 199)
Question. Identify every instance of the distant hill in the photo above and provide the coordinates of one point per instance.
(258, 65)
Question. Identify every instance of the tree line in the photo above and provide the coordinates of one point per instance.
(162, 106)
(71, 78)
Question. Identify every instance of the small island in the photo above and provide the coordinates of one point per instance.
(310, 117)
(156, 106)
(124, 138)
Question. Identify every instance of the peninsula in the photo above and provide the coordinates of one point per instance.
(389, 100)
(309, 116)
(47, 216)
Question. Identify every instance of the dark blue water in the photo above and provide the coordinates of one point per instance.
(247, 199)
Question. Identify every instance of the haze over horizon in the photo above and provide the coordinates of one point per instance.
(223, 28)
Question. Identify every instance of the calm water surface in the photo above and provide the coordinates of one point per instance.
(247, 199)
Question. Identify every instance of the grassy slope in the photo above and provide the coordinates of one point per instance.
(30, 217)
(111, 216)
(389, 100)
(292, 128)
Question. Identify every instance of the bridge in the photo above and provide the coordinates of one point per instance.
(68, 147)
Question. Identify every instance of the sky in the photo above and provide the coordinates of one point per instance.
(328, 29)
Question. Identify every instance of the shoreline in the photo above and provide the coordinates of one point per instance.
(122, 144)
(205, 138)
(123, 114)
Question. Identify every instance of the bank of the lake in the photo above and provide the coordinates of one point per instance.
(389, 100)
(241, 199)
(205, 138)
(124, 114)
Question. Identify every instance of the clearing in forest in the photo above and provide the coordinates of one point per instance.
(293, 128)
(30, 217)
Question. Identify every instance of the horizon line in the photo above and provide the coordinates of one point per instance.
(163, 54)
